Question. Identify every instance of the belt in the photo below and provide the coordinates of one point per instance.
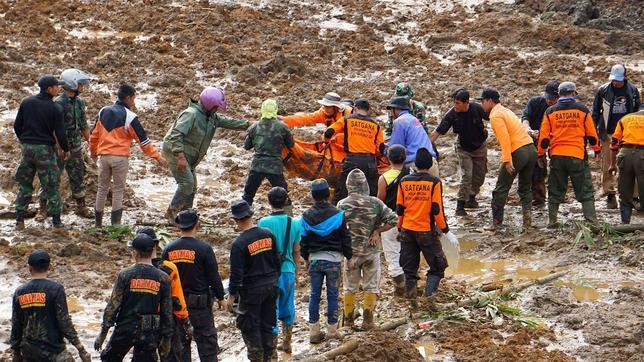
(361, 154)
(635, 147)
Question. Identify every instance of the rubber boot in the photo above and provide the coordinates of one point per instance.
(369, 308)
(625, 212)
(399, 285)
(431, 285)
(460, 208)
(611, 201)
(42, 211)
(553, 210)
(588, 209)
(497, 216)
(55, 221)
(315, 335)
(349, 309)
(81, 209)
(98, 218)
(115, 217)
(411, 292)
(332, 331)
(526, 211)
(20, 221)
(287, 336)
(178, 203)
(472, 203)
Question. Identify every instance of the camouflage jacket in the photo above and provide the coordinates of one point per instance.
(268, 137)
(40, 318)
(74, 119)
(364, 214)
(141, 291)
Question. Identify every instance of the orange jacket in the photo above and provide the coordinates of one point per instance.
(114, 131)
(509, 131)
(307, 119)
(420, 203)
(565, 128)
(362, 134)
(180, 309)
(629, 131)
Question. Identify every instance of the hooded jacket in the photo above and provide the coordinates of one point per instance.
(324, 228)
(364, 213)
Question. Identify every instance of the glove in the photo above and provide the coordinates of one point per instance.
(16, 356)
(98, 344)
(84, 355)
(164, 347)
(453, 240)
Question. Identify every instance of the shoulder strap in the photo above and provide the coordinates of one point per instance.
(286, 236)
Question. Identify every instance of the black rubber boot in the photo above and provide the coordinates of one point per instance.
(625, 212)
(497, 216)
(431, 285)
(179, 202)
(411, 293)
(588, 209)
(55, 221)
(20, 221)
(115, 217)
(471, 203)
(98, 219)
(460, 208)
(553, 210)
(526, 212)
(611, 202)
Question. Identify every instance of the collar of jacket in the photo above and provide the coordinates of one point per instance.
(44, 94)
(567, 99)
(278, 212)
(121, 103)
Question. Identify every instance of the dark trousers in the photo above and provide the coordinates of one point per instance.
(205, 333)
(412, 243)
(180, 349)
(630, 162)
(539, 184)
(523, 159)
(562, 167)
(367, 164)
(120, 344)
(254, 181)
(255, 319)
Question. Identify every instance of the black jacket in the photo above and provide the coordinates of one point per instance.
(324, 229)
(254, 260)
(603, 107)
(38, 119)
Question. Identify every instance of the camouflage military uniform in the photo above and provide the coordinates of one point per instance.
(364, 214)
(41, 322)
(39, 159)
(267, 137)
(75, 123)
(416, 108)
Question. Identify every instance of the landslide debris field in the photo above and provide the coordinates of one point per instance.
(295, 51)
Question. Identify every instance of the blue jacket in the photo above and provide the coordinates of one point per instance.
(324, 229)
(409, 132)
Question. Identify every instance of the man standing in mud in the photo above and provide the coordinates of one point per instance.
(200, 280)
(466, 120)
(532, 117)
(40, 319)
(363, 141)
(39, 127)
(419, 206)
(75, 83)
(254, 271)
(567, 127)
(186, 143)
(267, 137)
(518, 155)
(140, 307)
(613, 100)
(366, 218)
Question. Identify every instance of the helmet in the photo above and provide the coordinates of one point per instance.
(403, 89)
(73, 77)
(277, 196)
(212, 97)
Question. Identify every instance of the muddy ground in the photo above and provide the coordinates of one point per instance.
(296, 51)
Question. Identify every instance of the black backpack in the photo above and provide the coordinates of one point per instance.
(392, 189)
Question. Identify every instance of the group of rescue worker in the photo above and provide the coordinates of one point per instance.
(159, 305)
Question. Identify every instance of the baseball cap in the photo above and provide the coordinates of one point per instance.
(617, 72)
(149, 232)
(240, 210)
(38, 257)
(567, 87)
(186, 219)
(489, 93)
(49, 80)
(552, 90)
(142, 242)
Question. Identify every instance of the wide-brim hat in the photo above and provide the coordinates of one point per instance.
(240, 210)
(186, 219)
(399, 102)
(332, 99)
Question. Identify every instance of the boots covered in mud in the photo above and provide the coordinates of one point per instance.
(349, 310)
(42, 211)
(625, 212)
(82, 210)
(411, 293)
(115, 217)
(431, 286)
(332, 331)
(497, 216)
(287, 336)
(369, 309)
(399, 285)
(460, 208)
(315, 334)
(588, 209)
(553, 210)
(98, 218)
(526, 212)
(179, 202)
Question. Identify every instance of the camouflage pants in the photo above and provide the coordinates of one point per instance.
(75, 167)
(40, 159)
(32, 353)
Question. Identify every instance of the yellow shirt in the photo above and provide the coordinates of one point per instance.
(629, 131)
(509, 131)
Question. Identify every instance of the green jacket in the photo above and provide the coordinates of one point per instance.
(74, 119)
(193, 131)
(268, 137)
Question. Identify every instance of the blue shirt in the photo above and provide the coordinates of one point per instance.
(276, 223)
(410, 133)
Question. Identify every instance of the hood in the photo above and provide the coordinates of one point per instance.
(197, 106)
(357, 183)
(321, 219)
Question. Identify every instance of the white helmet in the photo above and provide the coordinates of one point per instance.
(73, 77)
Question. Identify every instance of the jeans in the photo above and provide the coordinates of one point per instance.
(318, 271)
